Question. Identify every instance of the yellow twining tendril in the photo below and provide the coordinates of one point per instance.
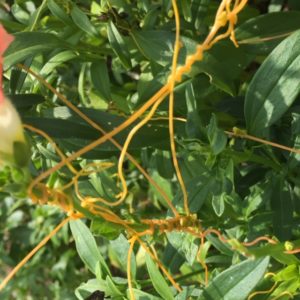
(241, 134)
(50, 140)
(35, 250)
(176, 75)
(283, 294)
(97, 127)
(224, 10)
(172, 80)
(269, 291)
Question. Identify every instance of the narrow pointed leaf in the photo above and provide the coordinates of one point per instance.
(158, 280)
(261, 34)
(274, 87)
(118, 45)
(236, 282)
(85, 244)
(100, 79)
(28, 44)
(59, 13)
(82, 21)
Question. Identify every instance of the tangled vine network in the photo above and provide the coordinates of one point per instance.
(78, 206)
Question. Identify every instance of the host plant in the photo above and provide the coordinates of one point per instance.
(215, 214)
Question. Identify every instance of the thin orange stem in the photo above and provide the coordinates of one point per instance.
(131, 245)
(292, 251)
(202, 262)
(96, 126)
(123, 152)
(252, 295)
(283, 294)
(216, 232)
(32, 253)
(160, 94)
(269, 38)
(262, 141)
(172, 80)
(50, 140)
(259, 239)
(163, 269)
(220, 21)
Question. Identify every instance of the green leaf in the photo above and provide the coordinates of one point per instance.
(102, 270)
(82, 21)
(158, 280)
(100, 79)
(20, 14)
(199, 190)
(224, 64)
(59, 12)
(140, 295)
(82, 84)
(163, 184)
(36, 15)
(186, 293)
(48, 153)
(255, 198)
(274, 87)
(112, 289)
(186, 10)
(194, 127)
(27, 44)
(18, 77)
(107, 229)
(186, 244)
(277, 252)
(201, 11)
(118, 45)
(163, 163)
(218, 204)
(57, 60)
(121, 247)
(292, 286)
(89, 287)
(261, 34)
(85, 244)
(22, 153)
(221, 246)
(237, 281)
(288, 273)
(26, 101)
(216, 137)
(281, 204)
(151, 17)
(276, 5)
(156, 46)
(79, 133)
(172, 258)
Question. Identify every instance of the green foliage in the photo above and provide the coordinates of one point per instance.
(269, 97)
(108, 58)
(85, 244)
(159, 283)
(237, 281)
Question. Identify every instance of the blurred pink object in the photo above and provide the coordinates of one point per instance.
(5, 40)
